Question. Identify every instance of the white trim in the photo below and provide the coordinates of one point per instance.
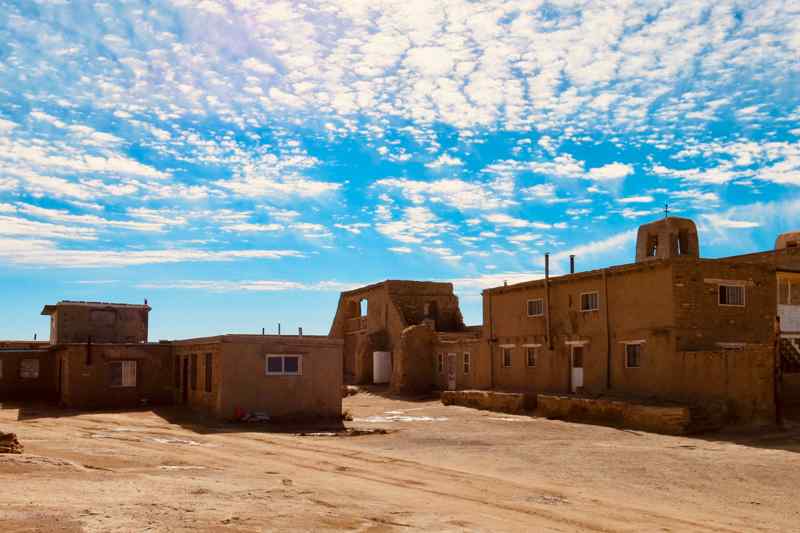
(744, 294)
(734, 282)
(507, 345)
(269, 356)
(528, 307)
(637, 341)
(731, 345)
(576, 343)
(593, 308)
(529, 345)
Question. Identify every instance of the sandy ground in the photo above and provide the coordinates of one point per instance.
(436, 468)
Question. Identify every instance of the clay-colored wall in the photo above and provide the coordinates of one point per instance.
(88, 386)
(76, 323)
(701, 322)
(13, 387)
(198, 398)
(315, 393)
(638, 301)
(479, 372)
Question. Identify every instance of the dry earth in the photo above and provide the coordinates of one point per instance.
(437, 468)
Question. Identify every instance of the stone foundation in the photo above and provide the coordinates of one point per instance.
(504, 402)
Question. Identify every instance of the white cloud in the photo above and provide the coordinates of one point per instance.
(642, 199)
(445, 160)
(610, 172)
(460, 194)
(251, 285)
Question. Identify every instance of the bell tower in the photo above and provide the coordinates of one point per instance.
(667, 238)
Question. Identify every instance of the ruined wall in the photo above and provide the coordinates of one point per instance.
(13, 386)
(701, 322)
(86, 375)
(413, 364)
(635, 302)
(317, 392)
(103, 323)
(412, 297)
(197, 394)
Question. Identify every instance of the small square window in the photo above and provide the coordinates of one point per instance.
(506, 357)
(467, 362)
(536, 307)
(291, 365)
(29, 369)
(633, 355)
(122, 373)
(274, 365)
(531, 356)
(731, 295)
(590, 301)
(284, 365)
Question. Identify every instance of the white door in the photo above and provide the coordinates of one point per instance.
(577, 367)
(451, 371)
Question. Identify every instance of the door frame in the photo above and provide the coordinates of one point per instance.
(573, 386)
(452, 371)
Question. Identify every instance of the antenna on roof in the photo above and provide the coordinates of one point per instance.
(145, 301)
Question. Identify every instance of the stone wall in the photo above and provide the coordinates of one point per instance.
(413, 362)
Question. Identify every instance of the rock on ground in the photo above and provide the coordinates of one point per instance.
(9, 443)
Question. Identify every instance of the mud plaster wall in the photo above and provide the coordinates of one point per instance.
(413, 366)
(315, 393)
(197, 397)
(88, 386)
(478, 376)
(632, 315)
(791, 389)
(102, 323)
(411, 297)
(701, 322)
(14, 387)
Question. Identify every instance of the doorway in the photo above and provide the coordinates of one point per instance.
(576, 358)
(185, 381)
(451, 371)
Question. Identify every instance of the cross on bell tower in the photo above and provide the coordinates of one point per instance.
(666, 209)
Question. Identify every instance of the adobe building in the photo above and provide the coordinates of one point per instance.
(284, 376)
(670, 327)
(99, 358)
(402, 321)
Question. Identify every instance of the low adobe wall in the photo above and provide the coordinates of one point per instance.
(667, 419)
(504, 402)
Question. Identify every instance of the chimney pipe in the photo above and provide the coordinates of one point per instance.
(572, 263)
(279, 328)
(263, 331)
(300, 332)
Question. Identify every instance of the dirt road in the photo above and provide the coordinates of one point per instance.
(436, 468)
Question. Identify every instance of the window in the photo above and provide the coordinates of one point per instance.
(363, 307)
(731, 295)
(440, 362)
(467, 362)
(633, 355)
(652, 246)
(284, 365)
(29, 369)
(683, 242)
(193, 371)
(506, 357)
(122, 373)
(536, 307)
(590, 301)
(209, 367)
(531, 356)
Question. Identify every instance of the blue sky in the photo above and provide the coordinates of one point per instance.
(238, 163)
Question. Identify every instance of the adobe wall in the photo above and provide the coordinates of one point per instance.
(87, 386)
(479, 375)
(14, 387)
(197, 396)
(410, 298)
(315, 393)
(627, 306)
(701, 322)
(413, 363)
(76, 323)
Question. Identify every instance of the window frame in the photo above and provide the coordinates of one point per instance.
(282, 357)
(597, 295)
(466, 362)
(507, 350)
(528, 350)
(528, 307)
(627, 346)
(38, 368)
(123, 364)
(742, 287)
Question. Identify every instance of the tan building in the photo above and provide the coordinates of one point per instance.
(283, 376)
(671, 326)
(97, 322)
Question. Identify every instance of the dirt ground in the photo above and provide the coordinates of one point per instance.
(435, 468)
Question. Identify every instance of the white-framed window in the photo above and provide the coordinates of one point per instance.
(467, 362)
(530, 356)
(633, 355)
(284, 365)
(440, 362)
(29, 369)
(536, 307)
(122, 373)
(590, 301)
(731, 295)
(507, 357)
